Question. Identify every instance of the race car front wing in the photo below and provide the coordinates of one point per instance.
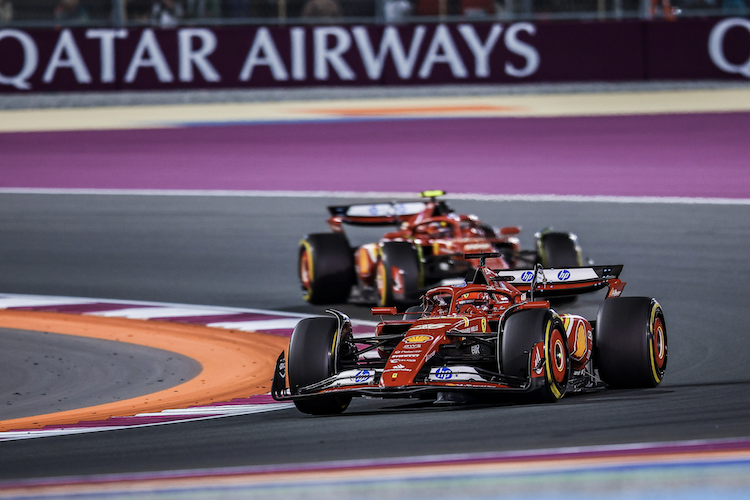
(365, 382)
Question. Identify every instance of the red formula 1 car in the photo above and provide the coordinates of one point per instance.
(496, 336)
(425, 250)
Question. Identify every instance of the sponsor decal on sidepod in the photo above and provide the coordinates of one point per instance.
(363, 376)
(444, 373)
(419, 339)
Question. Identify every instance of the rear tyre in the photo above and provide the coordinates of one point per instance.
(559, 250)
(630, 342)
(312, 359)
(525, 329)
(326, 268)
(397, 276)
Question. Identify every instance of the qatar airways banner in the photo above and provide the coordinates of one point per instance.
(260, 56)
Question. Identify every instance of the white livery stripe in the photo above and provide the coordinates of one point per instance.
(386, 209)
(552, 275)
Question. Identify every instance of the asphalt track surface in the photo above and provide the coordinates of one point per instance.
(42, 372)
(238, 251)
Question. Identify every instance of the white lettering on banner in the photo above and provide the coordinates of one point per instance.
(480, 50)
(190, 57)
(299, 62)
(443, 50)
(107, 50)
(30, 60)
(332, 51)
(390, 42)
(155, 59)
(66, 44)
(325, 56)
(522, 49)
(716, 46)
(264, 43)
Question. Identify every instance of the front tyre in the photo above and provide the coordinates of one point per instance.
(523, 331)
(312, 359)
(326, 268)
(630, 342)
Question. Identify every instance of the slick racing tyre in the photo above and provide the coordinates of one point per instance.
(523, 330)
(558, 250)
(326, 268)
(397, 276)
(630, 342)
(312, 359)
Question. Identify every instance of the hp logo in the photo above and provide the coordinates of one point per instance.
(443, 373)
(563, 275)
(527, 276)
(362, 376)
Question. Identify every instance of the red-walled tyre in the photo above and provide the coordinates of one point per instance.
(523, 330)
(630, 342)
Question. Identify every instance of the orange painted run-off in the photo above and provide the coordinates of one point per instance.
(235, 364)
(426, 110)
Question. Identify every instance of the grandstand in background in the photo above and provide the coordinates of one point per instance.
(29, 13)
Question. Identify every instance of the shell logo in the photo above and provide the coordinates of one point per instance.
(418, 339)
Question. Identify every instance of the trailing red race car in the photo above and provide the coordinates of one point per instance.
(495, 336)
(427, 249)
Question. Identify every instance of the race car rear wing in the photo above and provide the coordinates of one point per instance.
(376, 214)
(564, 281)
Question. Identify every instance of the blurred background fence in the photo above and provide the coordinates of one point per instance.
(185, 12)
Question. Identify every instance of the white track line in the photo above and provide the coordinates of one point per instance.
(256, 326)
(34, 301)
(669, 200)
(207, 413)
(156, 312)
(41, 300)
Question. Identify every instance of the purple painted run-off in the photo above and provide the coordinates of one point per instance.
(696, 155)
(77, 308)
(219, 318)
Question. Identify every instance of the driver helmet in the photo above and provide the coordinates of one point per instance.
(480, 300)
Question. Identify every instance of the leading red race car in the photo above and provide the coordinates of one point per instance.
(494, 336)
(425, 250)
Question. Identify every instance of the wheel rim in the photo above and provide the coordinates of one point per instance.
(304, 270)
(557, 357)
(660, 344)
(381, 283)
